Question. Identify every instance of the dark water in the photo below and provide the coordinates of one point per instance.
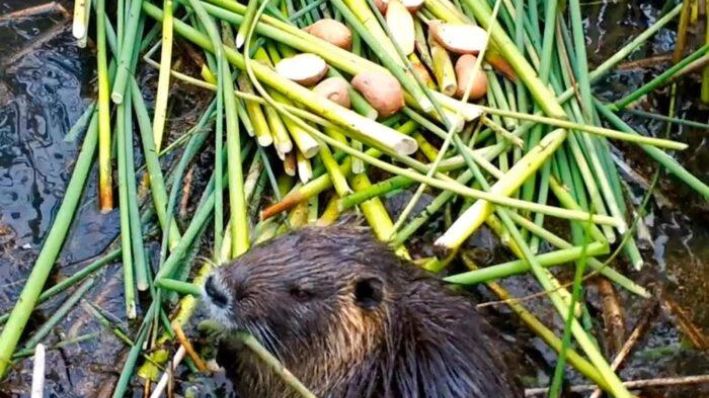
(45, 85)
(46, 82)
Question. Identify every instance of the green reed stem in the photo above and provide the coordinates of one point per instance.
(104, 113)
(123, 202)
(58, 315)
(659, 80)
(184, 288)
(510, 268)
(546, 334)
(134, 353)
(375, 190)
(126, 51)
(667, 161)
(674, 120)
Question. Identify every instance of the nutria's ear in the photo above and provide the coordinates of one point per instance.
(368, 292)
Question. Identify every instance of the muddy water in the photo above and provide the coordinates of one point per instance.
(46, 82)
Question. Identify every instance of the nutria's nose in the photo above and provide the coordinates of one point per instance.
(215, 293)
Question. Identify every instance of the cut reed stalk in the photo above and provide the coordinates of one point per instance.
(554, 292)
(364, 128)
(163, 88)
(667, 161)
(123, 201)
(472, 218)
(104, 113)
(126, 52)
(550, 259)
(59, 314)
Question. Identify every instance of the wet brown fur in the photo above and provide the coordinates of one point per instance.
(350, 319)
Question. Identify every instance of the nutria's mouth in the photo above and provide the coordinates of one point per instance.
(218, 300)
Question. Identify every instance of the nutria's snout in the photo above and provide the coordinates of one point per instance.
(218, 300)
(216, 294)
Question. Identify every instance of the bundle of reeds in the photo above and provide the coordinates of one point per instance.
(486, 104)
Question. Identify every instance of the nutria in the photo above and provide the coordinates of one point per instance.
(351, 319)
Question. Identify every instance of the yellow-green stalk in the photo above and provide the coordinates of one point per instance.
(163, 89)
(105, 181)
(443, 68)
(376, 214)
(251, 7)
(421, 44)
(475, 215)
(305, 169)
(79, 27)
(425, 147)
(358, 126)
(337, 176)
(421, 71)
(330, 214)
(258, 120)
(305, 143)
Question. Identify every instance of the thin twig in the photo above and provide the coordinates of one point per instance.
(637, 333)
(35, 44)
(160, 387)
(685, 324)
(34, 11)
(645, 62)
(613, 316)
(658, 382)
(185, 342)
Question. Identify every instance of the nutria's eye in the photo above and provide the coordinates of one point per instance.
(369, 292)
(300, 294)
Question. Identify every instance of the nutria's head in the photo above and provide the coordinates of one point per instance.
(350, 319)
(315, 291)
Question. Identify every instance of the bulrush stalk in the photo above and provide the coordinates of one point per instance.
(237, 201)
(105, 179)
(163, 90)
(258, 119)
(550, 259)
(475, 216)
(443, 69)
(80, 27)
(124, 59)
(359, 126)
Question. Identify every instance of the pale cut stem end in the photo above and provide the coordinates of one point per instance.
(264, 140)
(310, 150)
(78, 29)
(284, 147)
(390, 138)
(239, 40)
(117, 98)
(38, 372)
